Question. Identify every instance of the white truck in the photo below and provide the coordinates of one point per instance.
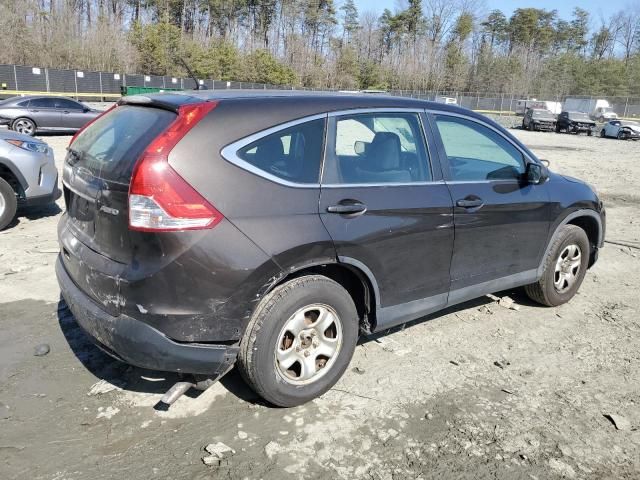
(597, 109)
(523, 105)
(446, 100)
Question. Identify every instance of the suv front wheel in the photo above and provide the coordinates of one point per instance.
(299, 341)
(564, 269)
(8, 203)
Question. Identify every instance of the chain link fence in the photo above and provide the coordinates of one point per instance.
(105, 86)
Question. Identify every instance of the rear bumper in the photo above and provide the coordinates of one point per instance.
(138, 343)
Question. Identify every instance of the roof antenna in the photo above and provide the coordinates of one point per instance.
(195, 79)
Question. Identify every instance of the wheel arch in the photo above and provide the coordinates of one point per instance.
(13, 177)
(353, 276)
(589, 221)
(25, 117)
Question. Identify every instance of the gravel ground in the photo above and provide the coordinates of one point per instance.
(478, 391)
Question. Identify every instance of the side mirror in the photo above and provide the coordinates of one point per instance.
(359, 147)
(545, 162)
(536, 174)
(86, 109)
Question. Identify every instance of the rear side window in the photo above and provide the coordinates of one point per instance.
(110, 146)
(293, 154)
(42, 103)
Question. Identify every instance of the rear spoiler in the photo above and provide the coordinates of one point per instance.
(165, 101)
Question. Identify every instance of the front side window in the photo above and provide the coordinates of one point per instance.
(374, 148)
(476, 152)
(293, 154)
(65, 104)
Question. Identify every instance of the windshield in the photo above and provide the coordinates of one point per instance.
(110, 146)
(542, 114)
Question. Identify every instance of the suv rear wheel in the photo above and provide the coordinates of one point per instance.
(8, 204)
(299, 341)
(564, 269)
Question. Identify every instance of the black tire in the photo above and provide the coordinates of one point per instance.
(8, 204)
(544, 290)
(258, 347)
(602, 133)
(557, 128)
(24, 125)
(621, 135)
(589, 133)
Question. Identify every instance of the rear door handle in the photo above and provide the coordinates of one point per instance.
(349, 208)
(470, 202)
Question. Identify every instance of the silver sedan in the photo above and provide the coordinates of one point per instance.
(31, 114)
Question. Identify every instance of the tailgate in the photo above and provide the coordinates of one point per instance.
(97, 172)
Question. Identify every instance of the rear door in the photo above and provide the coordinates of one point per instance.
(387, 209)
(72, 114)
(501, 221)
(44, 112)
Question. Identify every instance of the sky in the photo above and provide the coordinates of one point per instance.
(597, 8)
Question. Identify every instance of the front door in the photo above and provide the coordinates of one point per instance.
(388, 211)
(72, 114)
(501, 221)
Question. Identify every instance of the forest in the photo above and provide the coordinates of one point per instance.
(443, 45)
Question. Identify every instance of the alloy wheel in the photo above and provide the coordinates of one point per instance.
(567, 268)
(24, 127)
(308, 344)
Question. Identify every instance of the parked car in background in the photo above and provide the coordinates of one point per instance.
(30, 114)
(380, 210)
(575, 122)
(28, 175)
(537, 119)
(446, 100)
(523, 105)
(597, 109)
(621, 129)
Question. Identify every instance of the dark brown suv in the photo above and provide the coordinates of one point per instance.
(271, 228)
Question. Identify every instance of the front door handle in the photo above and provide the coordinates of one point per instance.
(470, 202)
(347, 208)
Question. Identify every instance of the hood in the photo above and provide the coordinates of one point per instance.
(635, 128)
(571, 179)
(544, 118)
(11, 135)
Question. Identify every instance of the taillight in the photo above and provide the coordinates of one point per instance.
(160, 200)
(86, 125)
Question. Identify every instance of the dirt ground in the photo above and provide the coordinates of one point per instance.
(478, 391)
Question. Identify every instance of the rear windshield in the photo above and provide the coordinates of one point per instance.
(110, 146)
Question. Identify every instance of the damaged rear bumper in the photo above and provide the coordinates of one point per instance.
(138, 343)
